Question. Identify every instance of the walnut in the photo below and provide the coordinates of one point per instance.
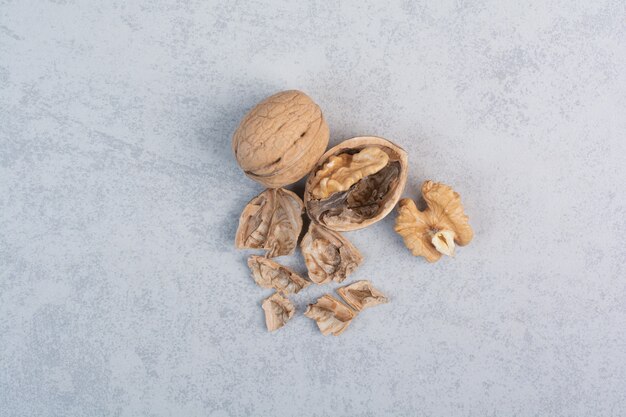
(356, 183)
(331, 315)
(278, 311)
(279, 141)
(344, 170)
(361, 295)
(270, 274)
(435, 231)
(272, 221)
(328, 255)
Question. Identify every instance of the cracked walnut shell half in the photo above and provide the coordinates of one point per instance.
(279, 141)
(328, 255)
(270, 274)
(361, 295)
(272, 221)
(278, 311)
(356, 183)
(434, 231)
(331, 315)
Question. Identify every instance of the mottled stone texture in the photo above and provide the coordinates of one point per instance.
(121, 293)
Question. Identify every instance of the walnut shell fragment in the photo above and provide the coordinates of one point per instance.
(356, 183)
(434, 231)
(270, 274)
(279, 141)
(361, 295)
(328, 255)
(272, 221)
(278, 311)
(331, 315)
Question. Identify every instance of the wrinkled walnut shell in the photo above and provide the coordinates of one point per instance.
(279, 141)
(368, 199)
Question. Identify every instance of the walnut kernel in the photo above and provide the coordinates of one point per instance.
(434, 231)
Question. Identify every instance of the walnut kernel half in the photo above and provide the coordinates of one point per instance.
(434, 231)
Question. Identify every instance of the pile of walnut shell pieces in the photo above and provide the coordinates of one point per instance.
(349, 187)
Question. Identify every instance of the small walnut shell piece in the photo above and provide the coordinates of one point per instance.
(328, 255)
(434, 231)
(356, 183)
(278, 311)
(272, 221)
(279, 141)
(343, 171)
(331, 315)
(361, 295)
(270, 274)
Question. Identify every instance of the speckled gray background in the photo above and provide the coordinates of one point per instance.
(121, 293)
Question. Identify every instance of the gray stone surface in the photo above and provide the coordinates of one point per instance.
(121, 293)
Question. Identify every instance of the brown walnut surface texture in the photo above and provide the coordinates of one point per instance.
(279, 141)
(356, 183)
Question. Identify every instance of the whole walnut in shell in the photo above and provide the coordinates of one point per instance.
(356, 183)
(279, 141)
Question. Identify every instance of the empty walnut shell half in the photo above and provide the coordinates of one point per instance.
(280, 139)
(356, 183)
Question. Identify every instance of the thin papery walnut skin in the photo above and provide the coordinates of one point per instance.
(328, 255)
(331, 315)
(270, 274)
(361, 295)
(344, 170)
(279, 141)
(367, 199)
(278, 311)
(272, 221)
(444, 213)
